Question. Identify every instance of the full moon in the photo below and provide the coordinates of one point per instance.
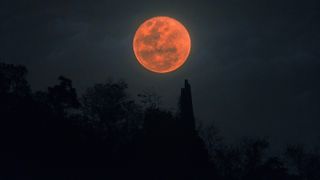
(161, 44)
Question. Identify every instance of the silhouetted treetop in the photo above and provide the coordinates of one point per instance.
(107, 102)
(63, 96)
(106, 128)
(150, 99)
(13, 80)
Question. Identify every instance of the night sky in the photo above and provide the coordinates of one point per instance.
(254, 65)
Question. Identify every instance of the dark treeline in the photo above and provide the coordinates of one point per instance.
(107, 134)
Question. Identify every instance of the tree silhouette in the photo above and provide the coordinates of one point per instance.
(106, 134)
(114, 118)
(304, 165)
(63, 97)
(14, 97)
(150, 99)
(13, 80)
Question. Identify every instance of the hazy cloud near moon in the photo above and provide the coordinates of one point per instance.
(254, 65)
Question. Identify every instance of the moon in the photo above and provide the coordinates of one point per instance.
(161, 44)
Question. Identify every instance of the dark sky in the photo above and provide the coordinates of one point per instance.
(254, 65)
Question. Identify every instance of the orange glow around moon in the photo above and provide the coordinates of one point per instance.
(161, 44)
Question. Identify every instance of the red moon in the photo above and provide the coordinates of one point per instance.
(161, 44)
